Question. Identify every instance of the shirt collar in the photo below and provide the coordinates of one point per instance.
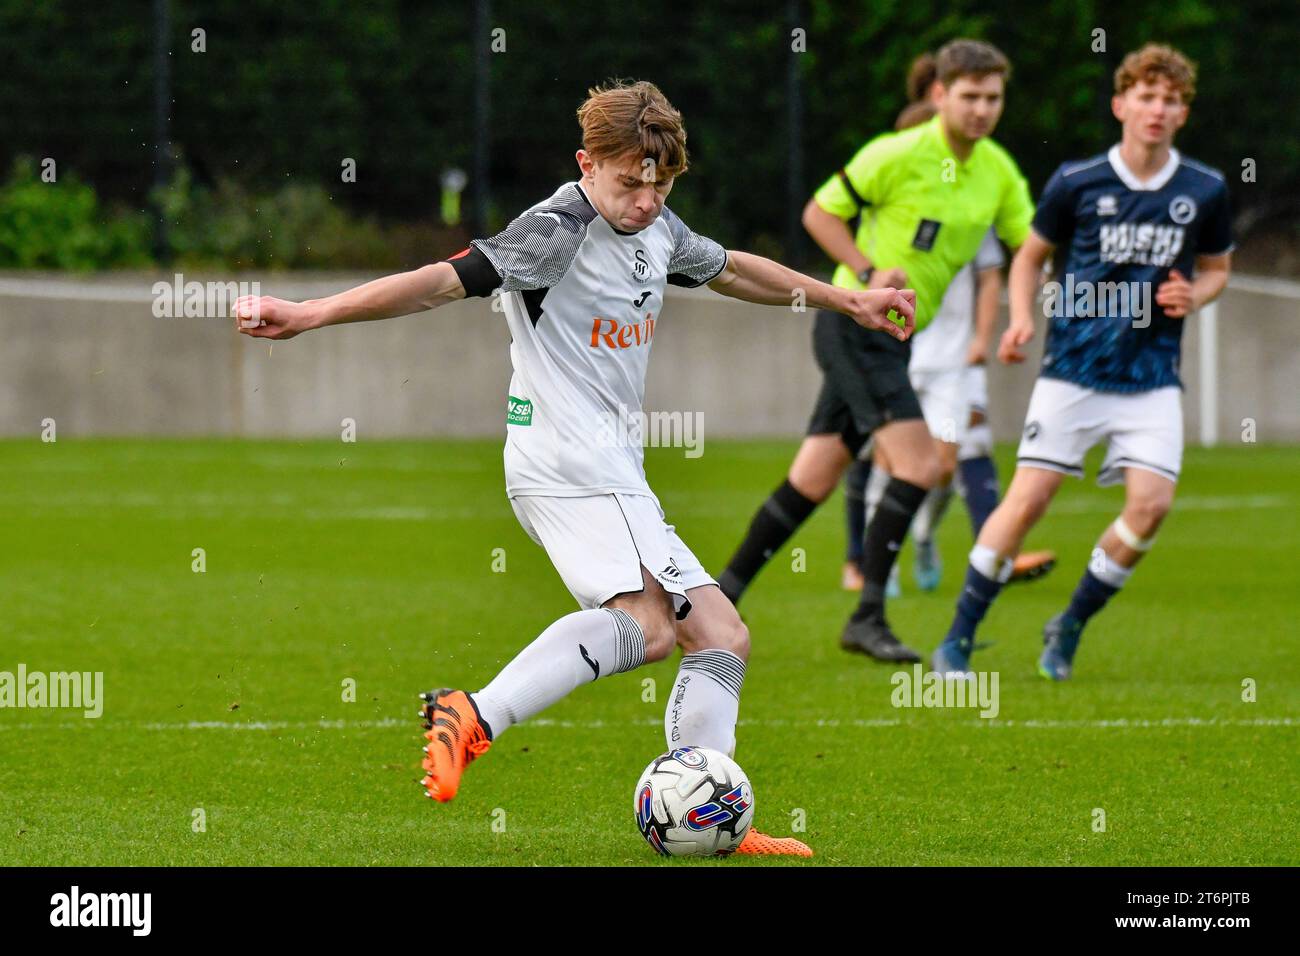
(1130, 180)
(587, 199)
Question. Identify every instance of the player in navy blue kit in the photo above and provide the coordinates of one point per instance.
(1129, 227)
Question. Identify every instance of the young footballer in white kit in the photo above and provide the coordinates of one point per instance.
(582, 276)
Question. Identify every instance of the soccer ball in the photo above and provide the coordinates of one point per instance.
(693, 801)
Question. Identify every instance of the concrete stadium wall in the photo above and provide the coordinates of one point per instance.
(90, 354)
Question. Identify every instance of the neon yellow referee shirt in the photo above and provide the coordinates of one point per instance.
(923, 210)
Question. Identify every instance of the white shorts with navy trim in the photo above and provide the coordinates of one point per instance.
(600, 543)
(1142, 429)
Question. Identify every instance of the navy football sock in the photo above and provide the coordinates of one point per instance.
(976, 596)
(979, 486)
(1089, 597)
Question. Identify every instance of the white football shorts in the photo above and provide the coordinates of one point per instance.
(600, 543)
(978, 440)
(1143, 430)
(944, 401)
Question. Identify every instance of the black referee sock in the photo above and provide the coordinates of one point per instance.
(778, 518)
(884, 540)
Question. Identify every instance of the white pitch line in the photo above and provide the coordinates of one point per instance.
(1116, 723)
(216, 505)
(1185, 503)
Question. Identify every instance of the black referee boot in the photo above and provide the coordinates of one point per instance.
(871, 635)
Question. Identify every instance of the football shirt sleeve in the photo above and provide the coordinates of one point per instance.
(695, 259)
(858, 184)
(1054, 220)
(989, 255)
(533, 252)
(1215, 237)
(1016, 211)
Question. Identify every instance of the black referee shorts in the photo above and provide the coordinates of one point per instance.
(864, 384)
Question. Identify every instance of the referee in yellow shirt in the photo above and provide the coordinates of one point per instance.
(925, 197)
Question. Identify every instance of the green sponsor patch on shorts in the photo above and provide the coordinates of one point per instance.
(519, 411)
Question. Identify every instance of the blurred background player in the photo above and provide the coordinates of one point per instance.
(947, 371)
(926, 197)
(609, 239)
(1136, 218)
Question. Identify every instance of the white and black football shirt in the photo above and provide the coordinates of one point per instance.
(583, 301)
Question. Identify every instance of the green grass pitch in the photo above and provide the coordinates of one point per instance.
(374, 562)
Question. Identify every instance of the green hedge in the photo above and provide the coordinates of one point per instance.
(63, 225)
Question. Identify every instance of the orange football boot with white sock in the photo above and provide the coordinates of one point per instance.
(456, 735)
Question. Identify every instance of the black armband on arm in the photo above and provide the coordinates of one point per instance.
(475, 271)
(853, 193)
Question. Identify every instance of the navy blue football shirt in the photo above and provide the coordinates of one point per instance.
(1117, 238)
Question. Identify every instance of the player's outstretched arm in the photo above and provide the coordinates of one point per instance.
(428, 287)
(1022, 288)
(756, 279)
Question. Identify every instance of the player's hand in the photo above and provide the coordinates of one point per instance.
(1174, 295)
(1014, 339)
(265, 317)
(978, 352)
(870, 308)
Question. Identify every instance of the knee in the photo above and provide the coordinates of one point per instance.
(1144, 512)
(660, 635)
(813, 485)
(924, 471)
(927, 473)
(730, 636)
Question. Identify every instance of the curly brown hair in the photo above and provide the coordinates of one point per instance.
(1153, 61)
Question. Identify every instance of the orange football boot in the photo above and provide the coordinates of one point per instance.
(763, 845)
(456, 735)
(1032, 565)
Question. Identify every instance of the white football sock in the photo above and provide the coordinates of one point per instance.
(931, 513)
(985, 560)
(705, 701)
(1110, 571)
(575, 650)
(877, 482)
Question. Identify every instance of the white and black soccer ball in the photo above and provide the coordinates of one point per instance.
(693, 801)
